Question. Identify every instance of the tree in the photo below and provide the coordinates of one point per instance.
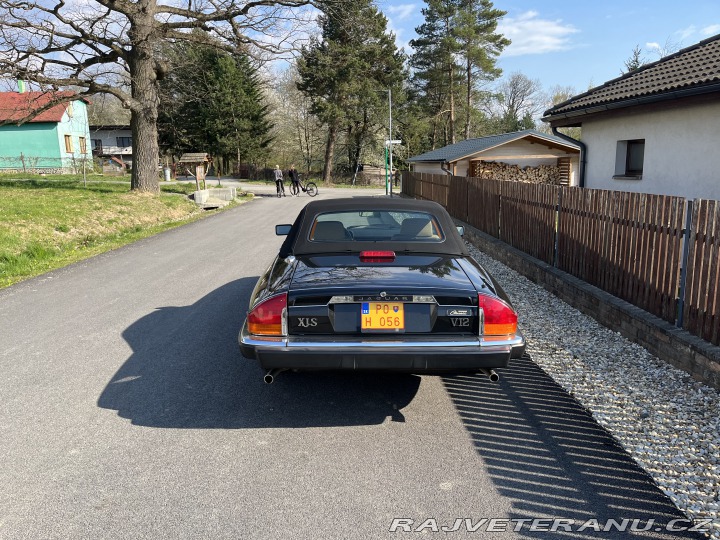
(435, 74)
(299, 135)
(666, 49)
(343, 70)
(112, 46)
(106, 109)
(557, 95)
(213, 102)
(479, 45)
(519, 101)
(455, 55)
(635, 61)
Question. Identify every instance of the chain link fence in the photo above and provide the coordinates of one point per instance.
(51, 165)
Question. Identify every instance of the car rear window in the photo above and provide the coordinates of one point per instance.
(376, 225)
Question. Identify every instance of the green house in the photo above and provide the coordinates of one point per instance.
(55, 140)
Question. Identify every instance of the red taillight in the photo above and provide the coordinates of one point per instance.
(377, 256)
(499, 318)
(268, 317)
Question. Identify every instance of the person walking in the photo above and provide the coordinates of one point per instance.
(295, 179)
(279, 181)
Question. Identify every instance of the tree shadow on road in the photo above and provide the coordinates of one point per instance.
(547, 454)
(186, 371)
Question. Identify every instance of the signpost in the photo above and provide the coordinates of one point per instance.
(388, 150)
(388, 164)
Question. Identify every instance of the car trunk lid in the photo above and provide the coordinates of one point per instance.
(415, 294)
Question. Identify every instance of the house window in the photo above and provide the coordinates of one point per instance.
(629, 159)
(96, 144)
(124, 141)
(634, 160)
(68, 143)
(83, 145)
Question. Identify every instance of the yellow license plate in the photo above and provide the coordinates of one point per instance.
(382, 316)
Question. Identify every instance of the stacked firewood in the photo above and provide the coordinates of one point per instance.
(493, 170)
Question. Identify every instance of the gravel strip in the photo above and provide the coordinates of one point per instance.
(666, 420)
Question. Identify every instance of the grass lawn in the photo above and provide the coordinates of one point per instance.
(46, 224)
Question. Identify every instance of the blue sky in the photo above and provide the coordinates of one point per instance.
(579, 43)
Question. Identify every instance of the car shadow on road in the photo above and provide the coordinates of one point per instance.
(186, 371)
(546, 453)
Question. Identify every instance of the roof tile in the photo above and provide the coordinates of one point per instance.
(693, 67)
(473, 146)
(14, 106)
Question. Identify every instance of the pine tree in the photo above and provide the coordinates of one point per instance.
(479, 46)
(635, 61)
(456, 51)
(435, 76)
(212, 102)
(343, 70)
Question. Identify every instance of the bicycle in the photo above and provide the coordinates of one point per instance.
(309, 187)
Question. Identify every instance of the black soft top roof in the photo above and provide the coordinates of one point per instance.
(298, 243)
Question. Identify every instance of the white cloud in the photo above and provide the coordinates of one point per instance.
(693, 31)
(400, 41)
(394, 15)
(652, 45)
(533, 35)
(686, 32)
(402, 11)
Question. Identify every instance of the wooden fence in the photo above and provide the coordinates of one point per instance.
(431, 187)
(628, 244)
(701, 306)
(660, 253)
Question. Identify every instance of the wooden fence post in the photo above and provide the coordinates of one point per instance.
(687, 235)
(556, 229)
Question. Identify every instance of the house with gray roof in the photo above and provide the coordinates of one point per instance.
(655, 129)
(527, 155)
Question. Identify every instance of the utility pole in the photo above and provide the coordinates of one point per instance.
(388, 178)
(388, 150)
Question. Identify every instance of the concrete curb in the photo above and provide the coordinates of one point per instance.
(214, 198)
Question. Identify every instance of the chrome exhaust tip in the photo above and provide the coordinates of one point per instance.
(271, 375)
(491, 374)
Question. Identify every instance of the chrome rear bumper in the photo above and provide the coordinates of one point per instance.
(409, 353)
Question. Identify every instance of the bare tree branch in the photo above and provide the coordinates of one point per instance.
(114, 47)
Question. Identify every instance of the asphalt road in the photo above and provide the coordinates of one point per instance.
(126, 411)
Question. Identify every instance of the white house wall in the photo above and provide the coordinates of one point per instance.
(108, 139)
(681, 151)
(428, 167)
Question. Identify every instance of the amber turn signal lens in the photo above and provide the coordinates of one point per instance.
(268, 317)
(499, 318)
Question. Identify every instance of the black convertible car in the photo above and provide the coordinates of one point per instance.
(378, 284)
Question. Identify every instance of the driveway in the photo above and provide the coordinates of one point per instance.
(126, 411)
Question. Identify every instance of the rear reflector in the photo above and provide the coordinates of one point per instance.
(499, 318)
(377, 256)
(268, 317)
